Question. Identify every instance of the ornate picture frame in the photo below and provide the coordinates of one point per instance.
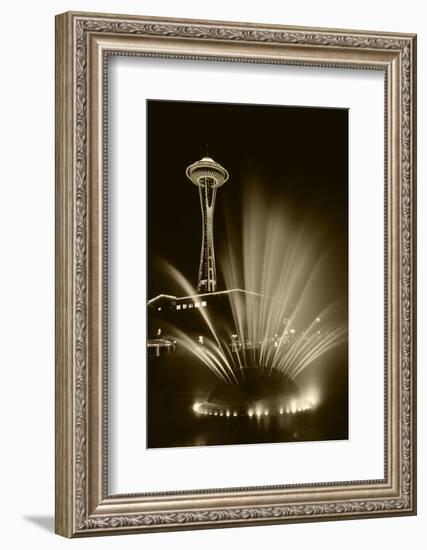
(84, 43)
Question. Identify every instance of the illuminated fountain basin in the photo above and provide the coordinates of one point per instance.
(260, 393)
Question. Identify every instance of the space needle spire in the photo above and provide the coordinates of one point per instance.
(208, 175)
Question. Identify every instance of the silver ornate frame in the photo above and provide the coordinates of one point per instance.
(83, 43)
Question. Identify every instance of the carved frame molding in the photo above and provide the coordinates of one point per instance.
(83, 43)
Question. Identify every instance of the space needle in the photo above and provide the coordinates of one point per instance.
(208, 175)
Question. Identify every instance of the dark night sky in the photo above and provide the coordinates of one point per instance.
(298, 155)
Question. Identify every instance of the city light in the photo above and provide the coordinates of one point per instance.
(209, 409)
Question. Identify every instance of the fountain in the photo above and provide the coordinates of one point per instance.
(280, 319)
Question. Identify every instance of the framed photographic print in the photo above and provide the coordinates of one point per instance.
(235, 274)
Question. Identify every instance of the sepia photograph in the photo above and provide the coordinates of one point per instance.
(247, 312)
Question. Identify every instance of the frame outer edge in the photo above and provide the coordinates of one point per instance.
(64, 237)
(415, 267)
(158, 19)
(73, 397)
(413, 252)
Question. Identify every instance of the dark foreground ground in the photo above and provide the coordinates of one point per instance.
(177, 381)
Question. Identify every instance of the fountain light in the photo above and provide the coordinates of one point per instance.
(282, 336)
